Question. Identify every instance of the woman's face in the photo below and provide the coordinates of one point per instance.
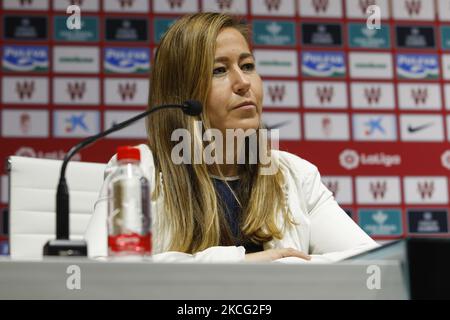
(235, 98)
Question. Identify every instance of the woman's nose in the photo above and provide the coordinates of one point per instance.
(241, 83)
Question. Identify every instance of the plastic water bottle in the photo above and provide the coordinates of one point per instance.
(129, 217)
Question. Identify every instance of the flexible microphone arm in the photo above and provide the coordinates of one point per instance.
(62, 246)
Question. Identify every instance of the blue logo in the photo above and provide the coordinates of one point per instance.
(381, 222)
(418, 66)
(127, 60)
(75, 121)
(160, 27)
(374, 125)
(25, 58)
(323, 64)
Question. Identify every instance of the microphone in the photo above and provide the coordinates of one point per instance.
(62, 245)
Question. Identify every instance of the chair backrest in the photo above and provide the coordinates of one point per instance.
(32, 201)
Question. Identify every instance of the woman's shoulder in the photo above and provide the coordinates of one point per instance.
(295, 163)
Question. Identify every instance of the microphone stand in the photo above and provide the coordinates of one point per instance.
(62, 245)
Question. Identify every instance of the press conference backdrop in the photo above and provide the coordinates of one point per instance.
(371, 108)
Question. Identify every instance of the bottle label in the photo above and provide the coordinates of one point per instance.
(130, 243)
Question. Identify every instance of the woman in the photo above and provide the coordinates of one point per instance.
(227, 212)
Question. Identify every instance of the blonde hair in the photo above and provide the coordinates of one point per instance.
(193, 214)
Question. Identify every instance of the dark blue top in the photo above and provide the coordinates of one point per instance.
(233, 211)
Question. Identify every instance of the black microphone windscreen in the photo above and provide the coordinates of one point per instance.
(192, 107)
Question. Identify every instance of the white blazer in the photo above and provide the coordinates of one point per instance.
(323, 229)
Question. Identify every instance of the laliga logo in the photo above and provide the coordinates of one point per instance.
(349, 159)
(445, 159)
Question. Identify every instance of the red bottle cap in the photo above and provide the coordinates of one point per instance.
(128, 153)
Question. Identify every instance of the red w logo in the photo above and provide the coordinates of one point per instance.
(175, 3)
(372, 95)
(277, 93)
(76, 90)
(378, 189)
(333, 186)
(320, 5)
(325, 94)
(413, 6)
(126, 3)
(127, 91)
(273, 4)
(426, 189)
(23, 2)
(364, 4)
(419, 95)
(224, 4)
(25, 89)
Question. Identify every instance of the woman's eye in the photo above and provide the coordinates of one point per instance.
(219, 70)
(248, 67)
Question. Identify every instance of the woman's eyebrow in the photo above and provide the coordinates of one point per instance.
(242, 56)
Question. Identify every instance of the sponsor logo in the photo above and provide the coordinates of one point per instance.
(326, 127)
(76, 59)
(445, 37)
(85, 5)
(374, 127)
(321, 8)
(325, 94)
(417, 66)
(427, 221)
(127, 60)
(160, 26)
(273, 7)
(415, 37)
(320, 5)
(26, 4)
(386, 222)
(288, 124)
(281, 94)
(445, 159)
(362, 37)
(140, 6)
(412, 129)
(429, 190)
(30, 90)
(350, 159)
(321, 34)
(323, 64)
(126, 91)
(25, 58)
(372, 95)
(276, 63)
(175, 6)
(25, 123)
(275, 33)
(446, 66)
(135, 131)
(370, 65)
(25, 28)
(341, 187)
(361, 9)
(30, 152)
(420, 96)
(378, 190)
(230, 6)
(414, 9)
(87, 33)
(75, 123)
(422, 128)
(126, 29)
(81, 91)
